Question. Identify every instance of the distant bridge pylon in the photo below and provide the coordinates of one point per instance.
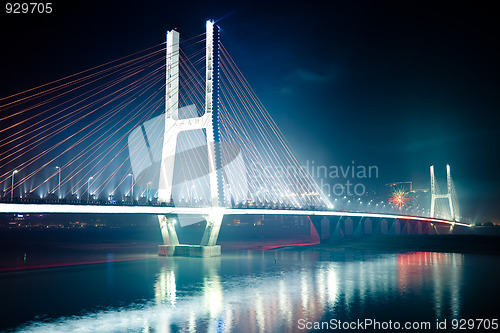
(438, 210)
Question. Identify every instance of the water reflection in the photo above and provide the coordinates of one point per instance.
(270, 291)
(444, 271)
(165, 286)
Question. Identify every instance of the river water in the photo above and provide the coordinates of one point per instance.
(256, 291)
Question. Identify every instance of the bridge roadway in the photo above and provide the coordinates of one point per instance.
(27, 208)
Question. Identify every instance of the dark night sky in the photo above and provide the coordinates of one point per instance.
(401, 85)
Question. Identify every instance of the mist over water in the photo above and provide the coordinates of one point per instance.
(250, 291)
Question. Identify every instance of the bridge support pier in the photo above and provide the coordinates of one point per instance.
(336, 231)
(211, 230)
(168, 232)
(207, 248)
(322, 226)
(169, 235)
(358, 230)
(429, 229)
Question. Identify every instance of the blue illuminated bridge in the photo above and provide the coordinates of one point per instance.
(179, 126)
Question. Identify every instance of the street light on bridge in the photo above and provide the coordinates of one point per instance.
(88, 188)
(12, 187)
(147, 191)
(59, 186)
(131, 187)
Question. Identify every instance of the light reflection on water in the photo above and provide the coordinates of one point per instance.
(251, 293)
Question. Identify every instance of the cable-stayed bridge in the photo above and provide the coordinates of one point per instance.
(173, 130)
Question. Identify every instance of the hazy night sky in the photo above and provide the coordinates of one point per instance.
(400, 85)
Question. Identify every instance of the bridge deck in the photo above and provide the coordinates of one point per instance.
(164, 210)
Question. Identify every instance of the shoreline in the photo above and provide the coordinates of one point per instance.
(471, 244)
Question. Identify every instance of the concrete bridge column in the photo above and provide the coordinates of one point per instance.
(430, 229)
(368, 227)
(168, 232)
(211, 230)
(169, 235)
(395, 228)
(348, 227)
(384, 227)
(359, 228)
(322, 225)
(335, 231)
(418, 228)
(406, 227)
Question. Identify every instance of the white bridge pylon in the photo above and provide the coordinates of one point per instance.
(174, 126)
(447, 196)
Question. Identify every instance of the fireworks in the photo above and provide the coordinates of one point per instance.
(399, 198)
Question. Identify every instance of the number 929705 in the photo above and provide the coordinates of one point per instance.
(28, 7)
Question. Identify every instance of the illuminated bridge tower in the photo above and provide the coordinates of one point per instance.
(173, 126)
(209, 121)
(447, 196)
